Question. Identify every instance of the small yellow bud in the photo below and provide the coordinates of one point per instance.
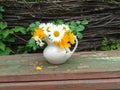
(38, 68)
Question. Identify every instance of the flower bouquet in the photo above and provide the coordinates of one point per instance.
(60, 35)
(59, 39)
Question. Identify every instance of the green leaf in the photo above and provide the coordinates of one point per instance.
(80, 28)
(72, 23)
(12, 39)
(84, 22)
(21, 49)
(32, 45)
(11, 31)
(53, 22)
(113, 41)
(5, 52)
(1, 17)
(31, 42)
(59, 22)
(72, 28)
(8, 50)
(103, 48)
(22, 30)
(2, 46)
(78, 22)
(79, 35)
(106, 48)
(2, 9)
(32, 26)
(118, 46)
(19, 29)
(113, 47)
(37, 23)
(3, 25)
(105, 42)
(34, 48)
(5, 33)
(1, 37)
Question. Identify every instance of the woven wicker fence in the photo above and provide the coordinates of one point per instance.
(104, 18)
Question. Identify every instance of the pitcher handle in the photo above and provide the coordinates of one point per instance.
(76, 41)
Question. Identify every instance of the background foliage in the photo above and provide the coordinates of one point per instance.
(102, 17)
(10, 35)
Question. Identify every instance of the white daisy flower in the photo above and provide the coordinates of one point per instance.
(65, 27)
(39, 41)
(48, 28)
(57, 33)
(42, 25)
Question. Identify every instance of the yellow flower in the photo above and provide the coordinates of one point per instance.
(38, 32)
(71, 38)
(61, 35)
(67, 39)
(38, 68)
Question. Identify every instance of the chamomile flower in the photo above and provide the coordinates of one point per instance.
(39, 41)
(42, 25)
(57, 34)
(65, 27)
(47, 29)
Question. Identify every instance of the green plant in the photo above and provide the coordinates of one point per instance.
(111, 44)
(7, 37)
(77, 27)
(1, 11)
(3, 35)
(30, 44)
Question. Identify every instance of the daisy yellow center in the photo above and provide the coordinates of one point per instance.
(56, 33)
(64, 28)
(48, 29)
(39, 41)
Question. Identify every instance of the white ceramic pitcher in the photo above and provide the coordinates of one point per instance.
(55, 55)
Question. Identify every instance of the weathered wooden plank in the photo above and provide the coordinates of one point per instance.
(100, 84)
(61, 77)
(89, 62)
(83, 65)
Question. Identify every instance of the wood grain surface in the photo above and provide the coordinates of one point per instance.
(85, 70)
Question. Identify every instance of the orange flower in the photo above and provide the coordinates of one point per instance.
(71, 38)
(38, 32)
(67, 39)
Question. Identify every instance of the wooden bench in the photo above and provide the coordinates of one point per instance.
(83, 71)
